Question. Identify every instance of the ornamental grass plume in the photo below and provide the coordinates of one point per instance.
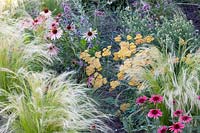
(47, 103)
(14, 54)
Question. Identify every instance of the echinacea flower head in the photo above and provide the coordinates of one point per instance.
(70, 27)
(37, 21)
(156, 99)
(154, 113)
(178, 113)
(198, 97)
(52, 49)
(46, 13)
(176, 127)
(55, 33)
(141, 100)
(162, 129)
(54, 24)
(90, 35)
(185, 119)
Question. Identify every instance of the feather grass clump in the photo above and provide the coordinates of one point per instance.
(49, 104)
(14, 54)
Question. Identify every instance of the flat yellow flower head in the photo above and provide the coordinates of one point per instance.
(90, 70)
(124, 106)
(116, 56)
(98, 54)
(109, 47)
(139, 41)
(114, 84)
(128, 37)
(120, 75)
(104, 81)
(138, 36)
(118, 38)
(148, 39)
(133, 82)
(106, 52)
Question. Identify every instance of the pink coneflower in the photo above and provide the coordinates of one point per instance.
(38, 21)
(141, 100)
(52, 49)
(156, 99)
(178, 113)
(198, 97)
(55, 33)
(154, 113)
(70, 27)
(90, 35)
(46, 13)
(54, 24)
(162, 129)
(185, 119)
(176, 127)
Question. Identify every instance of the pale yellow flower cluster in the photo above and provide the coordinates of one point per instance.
(93, 68)
(124, 106)
(127, 48)
(113, 85)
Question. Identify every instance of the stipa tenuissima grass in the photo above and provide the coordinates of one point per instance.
(49, 104)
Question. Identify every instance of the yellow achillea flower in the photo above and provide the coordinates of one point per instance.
(128, 37)
(182, 41)
(99, 80)
(114, 84)
(84, 55)
(138, 36)
(124, 51)
(118, 38)
(120, 75)
(98, 54)
(132, 48)
(148, 39)
(106, 51)
(90, 70)
(139, 41)
(115, 56)
(133, 82)
(124, 106)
